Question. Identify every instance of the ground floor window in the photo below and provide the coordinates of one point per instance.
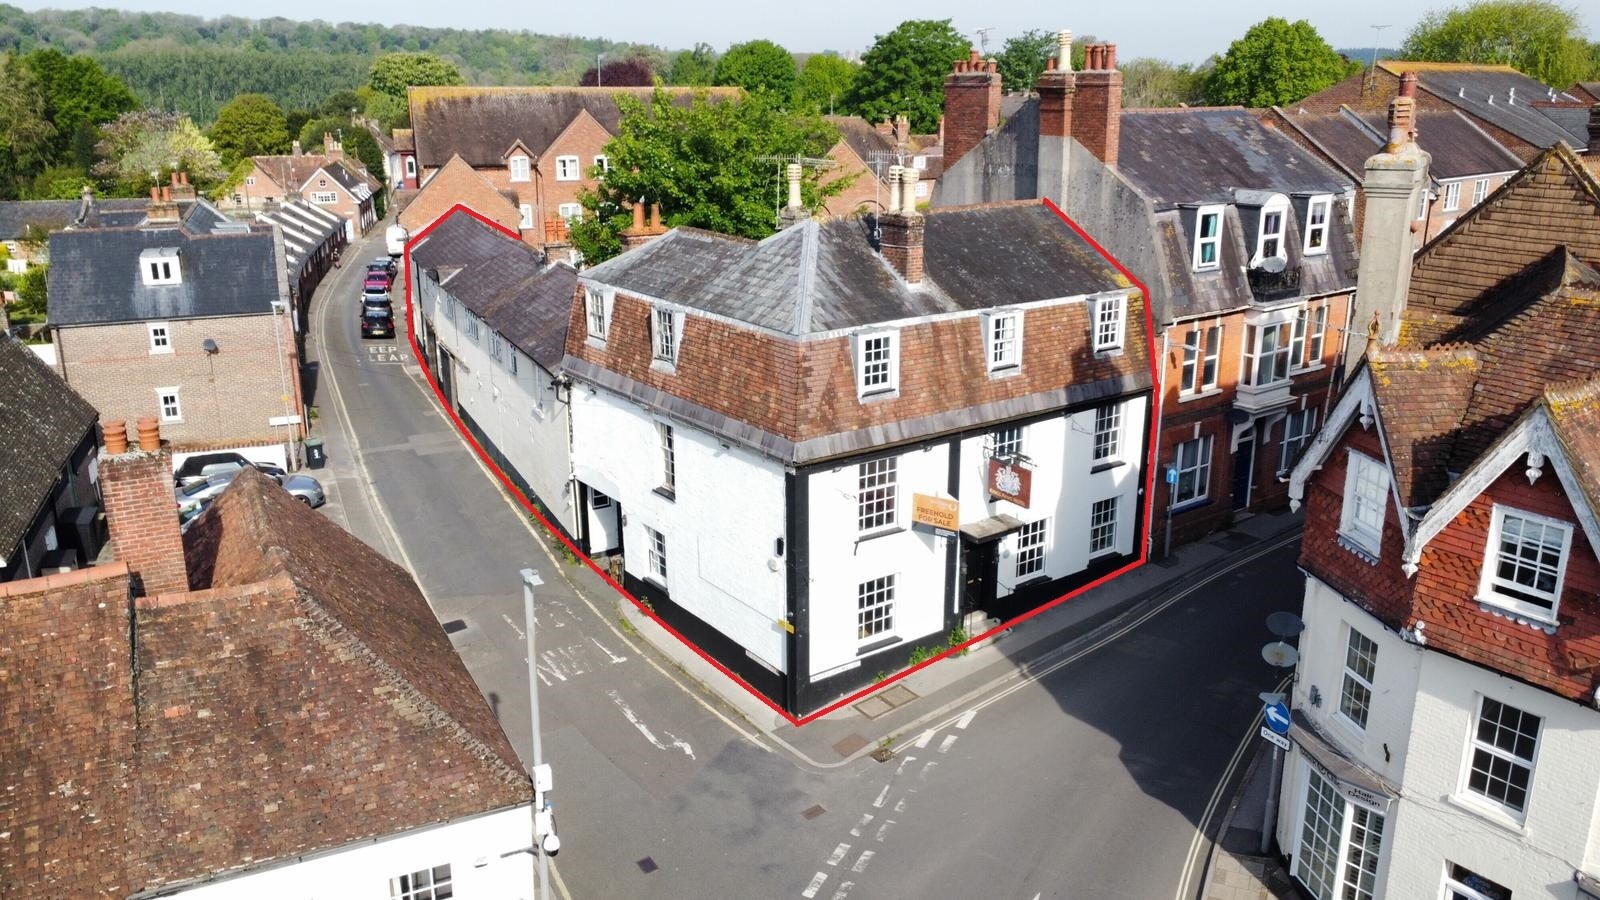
(1461, 883)
(1030, 548)
(1193, 462)
(1339, 844)
(875, 607)
(428, 884)
(658, 554)
(1103, 526)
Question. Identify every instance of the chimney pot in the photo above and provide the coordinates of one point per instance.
(638, 215)
(1408, 84)
(973, 56)
(1050, 64)
(1064, 50)
(1111, 56)
(149, 434)
(894, 189)
(155, 193)
(115, 432)
(655, 217)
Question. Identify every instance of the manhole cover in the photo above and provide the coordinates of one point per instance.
(813, 812)
(898, 696)
(873, 707)
(647, 865)
(849, 745)
(455, 625)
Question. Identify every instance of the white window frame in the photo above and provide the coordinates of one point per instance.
(249, 181)
(1357, 686)
(1422, 204)
(878, 495)
(1032, 547)
(1457, 885)
(160, 267)
(1281, 211)
(411, 167)
(1315, 229)
(656, 547)
(1317, 339)
(1003, 341)
(1480, 190)
(568, 168)
(570, 212)
(160, 337)
(324, 198)
(1202, 242)
(875, 609)
(176, 394)
(1297, 339)
(472, 328)
(1366, 502)
(602, 162)
(520, 168)
(1005, 442)
(1202, 345)
(1267, 367)
(1299, 428)
(667, 441)
(666, 335)
(1452, 196)
(1103, 527)
(1109, 324)
(1107, 446)
(406, 887)
(524, 216)
(1495, 753)
(1349, 854)
(597, 312)
(1515, 596)
(883, 376)
(1200, 471)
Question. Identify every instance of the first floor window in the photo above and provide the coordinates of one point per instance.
(160, 337)
(876, 362)
(1461, 883)
(1503, 746)
(1480, 190)
(1452, 196)
(1208, 238)
(1200, 350)
(595, 306)
(602, 163)
(324, 198)
(1298, 428)
(171, 406)
(1527, 559)
(567, 168)
(1339, 844)
(666, 335)
(658, 554)
(1360, 669)
(1030, 548)
(1193, 462)
(519, 168)
(1007, 442)
(525, 216)
(1108, 323)
(570, 212)
(877, 493)
(1365, 489)
(1317, 224)
(1103, 526)
(1319, 332)
(1003, 343)
(1107, 431)
(669, 457)
(1267, 353)
(428, 884)
(875, 607)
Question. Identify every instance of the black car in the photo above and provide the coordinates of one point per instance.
(377, 321)
(382, 263)
(202, 465)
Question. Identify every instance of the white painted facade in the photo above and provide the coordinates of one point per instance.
(721, 525)
(1419, 737)
(482, 854)
(511, 398)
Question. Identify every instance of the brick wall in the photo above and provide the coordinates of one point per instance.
(226, 397)
(141, 514)
(971, 109)
(1097, 105)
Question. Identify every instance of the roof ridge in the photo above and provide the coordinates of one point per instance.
(810, 254)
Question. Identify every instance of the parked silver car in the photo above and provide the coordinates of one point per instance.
(306, 489)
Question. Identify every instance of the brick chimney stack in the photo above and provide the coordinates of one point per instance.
(1394, 181)
(971, 106)
(1056, 87)
(900, 230)
(141, 512)
(181, 188)
(1097, 109)
(162, 209)
(1594, 130)
(641, 232)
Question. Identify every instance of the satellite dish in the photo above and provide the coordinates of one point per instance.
(208, 345)
(1285, 624)
(1280, 655)
(1273, 264)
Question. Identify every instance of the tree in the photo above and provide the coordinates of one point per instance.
(759, 66)
(903, 73)
(151, 141)
(341, 103)
(696, 68)
(392, 73)
(58, 183)
(1149, 83)
(633, 72)
(294, 120)
(824, 83)
(250, 125)
(33, 290)
(78, 96)
(25, 132)
(703, 163)
(1277, 62)
(1540, 38)
(1023, 58)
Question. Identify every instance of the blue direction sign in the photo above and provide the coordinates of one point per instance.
(1172, 475)
(1277, 717)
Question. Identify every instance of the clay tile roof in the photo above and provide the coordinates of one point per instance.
(1421, 396)
(864, 139)
(42, 423)
(1574, 409)
(404, 140)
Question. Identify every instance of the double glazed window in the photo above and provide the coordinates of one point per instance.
(160, 337)
(1503, 748)
(1461, 883)
(877, 363)
(1526, 562)
(1193, 462)
(1452, 196)
(1208, 238)
(1271, 239)
(1267, 353)
(567, 168)
(519, 168)
(1200, 349)
(1317, 212)
(1360, 669)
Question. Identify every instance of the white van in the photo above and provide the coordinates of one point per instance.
(395, 236)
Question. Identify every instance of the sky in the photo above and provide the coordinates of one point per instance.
(1177, 30)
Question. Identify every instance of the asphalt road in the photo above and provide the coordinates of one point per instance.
(1085, 784)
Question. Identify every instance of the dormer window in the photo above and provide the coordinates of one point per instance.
(597, 311)
(877, 363)
(1110, 323)
(667, 336)
(1270, 241)
(1003, 348)
(1208, 238)
(1317, 212)
(567, 168)
(1366, 488)
(519, 168)
(1525, 563)
(159, 266)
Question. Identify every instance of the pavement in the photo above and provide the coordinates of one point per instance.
(1238, 869)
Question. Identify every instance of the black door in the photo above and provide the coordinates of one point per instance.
(1243, 470)
(446, 375)
(978, 562)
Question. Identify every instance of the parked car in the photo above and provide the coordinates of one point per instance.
(201, 465)
(306, 489)
(375, 270)
(377, 321)
(375, 281)
(376, 301)
(394, 238)
(385, 263)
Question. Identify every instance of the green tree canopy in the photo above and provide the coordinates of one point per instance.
(33, 293)
(1539, 38)
(341, 103)
(250, 125)
(903, 73)
(1024, 57)
(703, 163)
(758, 66)
(1276, 62)
(392, 73)
(1148, 83)
(25, 130)
(151, 141)
(824, 83)
(79, 96)
(694, 68)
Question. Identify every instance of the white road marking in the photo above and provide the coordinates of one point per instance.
(900, 805)
(614, 658)
(645, 729)
(926, 770)
(882, 796)
(550, 665)
(883, 830)
(966, 718)
(816, 885)
(923, 739)
(861, 864)
(513, 624)
(844, 890)
(949, 739)
(838, 853)
(574, 660)
(866, 818)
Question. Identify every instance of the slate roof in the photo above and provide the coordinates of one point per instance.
(229, 269)
(1497, 94)
(1458, 147)
(502, 280)
(53, 215)
(824, 276)
(1203, 155)
(481, 123)
(42, 422)
(302, 699)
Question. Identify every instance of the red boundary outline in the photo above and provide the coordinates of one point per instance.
(797, 721)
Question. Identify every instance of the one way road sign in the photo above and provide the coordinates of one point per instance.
(1277, 715)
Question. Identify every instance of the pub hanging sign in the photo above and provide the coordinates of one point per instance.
(1010, 481)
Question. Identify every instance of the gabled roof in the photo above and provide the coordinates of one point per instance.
(503, 281)
(479, 123)
(458, 183)
(404, 141)
(1499, 95)
(291, 172)
(824, 276)
(1189, 156)
(228, 269)
(42, 422)
(1574, 411)
(1458, 147)
(863, 138)
(53, 215)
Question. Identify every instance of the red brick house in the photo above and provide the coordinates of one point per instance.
(864, 153)
(328, 181)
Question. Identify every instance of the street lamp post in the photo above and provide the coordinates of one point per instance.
(599, 78)
(545, 841)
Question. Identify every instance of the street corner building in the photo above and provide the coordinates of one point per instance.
(1446, 720)
(260, 707)
(818, 452)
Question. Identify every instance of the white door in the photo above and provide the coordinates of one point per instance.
(604, 535)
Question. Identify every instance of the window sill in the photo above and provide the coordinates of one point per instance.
(1213, 267)
(881, 394)
(1494, 815)
(668, 493)
(875, 646)
(1006, 371)
(1108, 353)
(1202, 395)
(665, 367)
(168, 351)
(598, 343)
(1191, 505)
(1351, 544)
(1106, 466)
(881, 532)
(1305, 370)
(1096, 554)
(1507, 608)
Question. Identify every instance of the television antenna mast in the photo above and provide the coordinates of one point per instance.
(983, 37)
(783, 162)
